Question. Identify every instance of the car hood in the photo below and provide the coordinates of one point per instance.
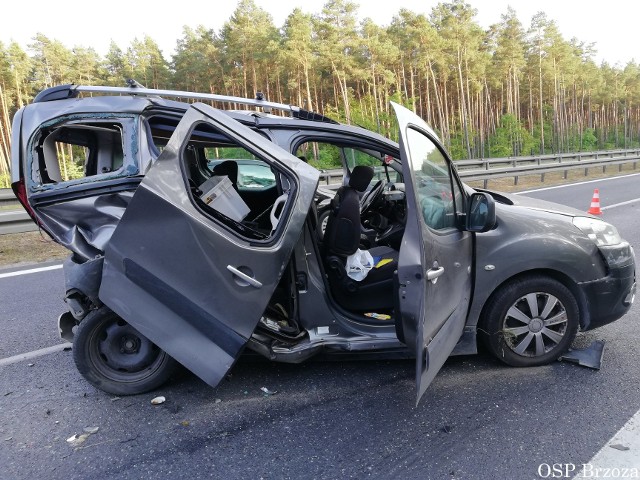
(534, 204)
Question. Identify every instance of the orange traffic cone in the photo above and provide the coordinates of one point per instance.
(595, 203)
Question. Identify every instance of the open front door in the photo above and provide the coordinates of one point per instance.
(434, 266)
(192, 280)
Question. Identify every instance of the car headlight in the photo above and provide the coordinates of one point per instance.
(602, 233)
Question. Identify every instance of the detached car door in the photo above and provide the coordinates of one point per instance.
(197, 284)
(435, 260)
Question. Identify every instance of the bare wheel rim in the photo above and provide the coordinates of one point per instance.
(535, 324)
(323, 224)
(121, 354)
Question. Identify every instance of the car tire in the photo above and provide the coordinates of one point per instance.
(114, 357)
(530, 321)
(323, 218)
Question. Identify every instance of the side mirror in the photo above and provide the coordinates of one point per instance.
(481, 212)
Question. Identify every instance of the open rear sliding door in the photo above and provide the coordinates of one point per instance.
(184, 279)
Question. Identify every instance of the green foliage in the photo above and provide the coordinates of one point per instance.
(325, 158)
(228, 153)
(145, 63)
(456, 147)
(589, 140)
(511, 139)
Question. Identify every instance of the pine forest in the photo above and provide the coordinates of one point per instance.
(508, 90)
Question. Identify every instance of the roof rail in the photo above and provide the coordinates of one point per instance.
(152, 92)
(135, 89)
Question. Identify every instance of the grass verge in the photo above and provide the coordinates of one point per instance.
(29, 247)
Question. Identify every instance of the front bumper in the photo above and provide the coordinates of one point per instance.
(609, 298)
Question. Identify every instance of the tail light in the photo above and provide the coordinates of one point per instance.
(20, 191)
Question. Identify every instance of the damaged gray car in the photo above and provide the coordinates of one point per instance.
(196, 233)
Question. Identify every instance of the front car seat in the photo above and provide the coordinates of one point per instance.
(342, 238)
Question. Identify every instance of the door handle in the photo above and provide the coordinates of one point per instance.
(434, 273)
(250, 280)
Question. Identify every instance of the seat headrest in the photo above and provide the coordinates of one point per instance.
(360, 177)
(228, 168)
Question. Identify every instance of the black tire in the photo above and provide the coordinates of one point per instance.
(552, 313)
(323, 217)
(113, 356)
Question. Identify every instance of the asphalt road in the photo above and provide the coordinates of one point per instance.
(478, 420)
(613, 191)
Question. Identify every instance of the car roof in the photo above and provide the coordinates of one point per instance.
(64, 100)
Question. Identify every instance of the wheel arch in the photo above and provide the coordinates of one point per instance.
(564, 279)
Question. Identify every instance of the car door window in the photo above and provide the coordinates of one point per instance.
(253, 173)
(233, 184)
(330, 156)
(433, 180)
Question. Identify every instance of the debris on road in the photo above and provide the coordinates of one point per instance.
(618, 446)
(158, 400)
(590, 357)
(266, 392)
(78, 439)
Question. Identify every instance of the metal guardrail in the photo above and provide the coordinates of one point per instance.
(515, 167)
(491, 168)
(13, 218)
(16, 220)
(7, 197)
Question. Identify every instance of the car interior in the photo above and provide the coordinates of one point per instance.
(342, 238)
(366, 213)
(95, 147)
(249, 195)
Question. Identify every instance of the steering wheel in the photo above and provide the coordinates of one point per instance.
(371, 197)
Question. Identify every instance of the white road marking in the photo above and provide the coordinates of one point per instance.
(620, 204)
(36, 353)
(579, 183)
(31, 270)
(628, 437)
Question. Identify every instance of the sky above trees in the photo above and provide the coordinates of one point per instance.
(610, 25)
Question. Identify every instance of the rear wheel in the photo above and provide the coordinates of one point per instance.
(530, 321)
(114, 357)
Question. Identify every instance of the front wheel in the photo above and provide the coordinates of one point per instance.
(530, 321)
(114, 357)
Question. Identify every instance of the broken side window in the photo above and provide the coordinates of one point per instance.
(78, 152)
(234, 184)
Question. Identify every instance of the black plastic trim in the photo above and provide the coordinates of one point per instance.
(59, 92)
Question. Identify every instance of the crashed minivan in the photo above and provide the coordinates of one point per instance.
(197, 232)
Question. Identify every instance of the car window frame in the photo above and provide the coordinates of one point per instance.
(292, 181)
(130, 130)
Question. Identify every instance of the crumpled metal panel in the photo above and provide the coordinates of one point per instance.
(85, 225)
(84, 277)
